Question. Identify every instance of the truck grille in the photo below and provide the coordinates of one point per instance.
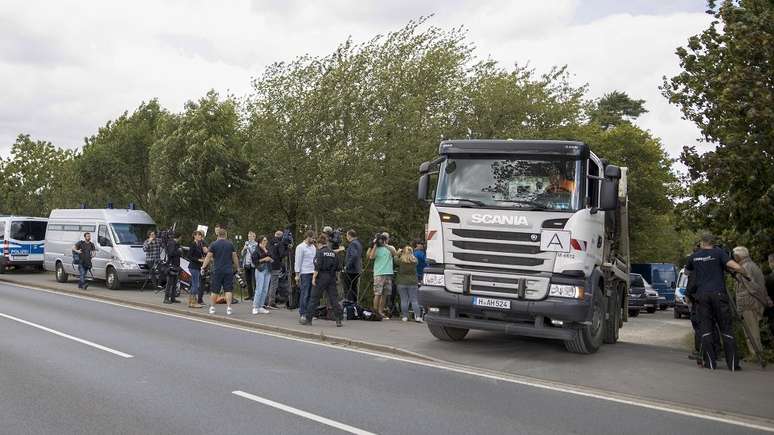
(498, 259)
(496, 235)
(513, 251)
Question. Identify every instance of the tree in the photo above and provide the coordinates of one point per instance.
(615, 108)
(727, 89)
(31, 176)
(198, 172)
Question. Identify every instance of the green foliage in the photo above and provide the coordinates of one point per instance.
(726, 89)
(616, 108)
(32, 176)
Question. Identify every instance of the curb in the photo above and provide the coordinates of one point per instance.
(322, 337)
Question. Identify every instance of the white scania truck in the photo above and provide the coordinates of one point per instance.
(525, 237)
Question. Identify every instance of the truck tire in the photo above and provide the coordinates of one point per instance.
(651, 310)
(677, 314)
(590, 337)
(446, 333)
(613, 322)
(61, 275)
(111, 279)
(2, 265)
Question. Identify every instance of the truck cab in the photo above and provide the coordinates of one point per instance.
(525, 237)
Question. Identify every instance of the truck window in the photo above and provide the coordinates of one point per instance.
(31, 231)
(593, 185)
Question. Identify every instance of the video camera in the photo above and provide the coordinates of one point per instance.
(379, 240)
(334, 237)
(287, 236)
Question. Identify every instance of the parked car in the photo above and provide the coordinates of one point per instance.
(22, 241)
(681, 304)
(641, 295)
(119, 238)
(663, 278)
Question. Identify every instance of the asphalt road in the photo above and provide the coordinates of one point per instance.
(160, 374)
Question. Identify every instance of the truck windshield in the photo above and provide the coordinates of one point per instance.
(131, 234)
(543, 183)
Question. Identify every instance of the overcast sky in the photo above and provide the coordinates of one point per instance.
(67, 67)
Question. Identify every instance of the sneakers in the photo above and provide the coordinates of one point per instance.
(212, 309)
(263, 311)
(419, 320)
(229, 311)
(405, 319)
(303, 321)
(255, 311)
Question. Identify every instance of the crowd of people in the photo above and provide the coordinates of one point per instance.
(319, 264)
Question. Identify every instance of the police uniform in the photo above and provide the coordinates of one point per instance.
(326, 264)
(713, 306)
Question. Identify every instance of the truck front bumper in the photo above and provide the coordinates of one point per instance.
(526, 318)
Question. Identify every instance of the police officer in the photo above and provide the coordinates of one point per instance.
(326, 265)
(709, 264)
(174, 252)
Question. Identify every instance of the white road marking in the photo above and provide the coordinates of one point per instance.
(301, 413)
(67, 336)
(758, 423)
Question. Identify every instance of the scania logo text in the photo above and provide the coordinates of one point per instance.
(479, 218)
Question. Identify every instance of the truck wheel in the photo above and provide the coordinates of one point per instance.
(112, 279)
(589, 337)
(677, 314)
(613, 322)
(447, 333)
(61, 275)
(2, 265)
(651, 310)
(634, 313)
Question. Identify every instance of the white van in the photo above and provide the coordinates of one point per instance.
(22, 241)
(117, 234)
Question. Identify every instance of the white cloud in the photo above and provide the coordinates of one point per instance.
(68, 67)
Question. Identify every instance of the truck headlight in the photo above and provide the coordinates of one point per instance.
(566, 291)
(434, 279)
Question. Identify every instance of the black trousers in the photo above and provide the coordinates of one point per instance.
(153, 273)
(325, 285)
(715, 308)
(351, 283)
(171, 288)
(697, 331)
(250, 281)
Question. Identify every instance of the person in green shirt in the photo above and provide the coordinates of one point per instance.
(407, 284)
(382, 253)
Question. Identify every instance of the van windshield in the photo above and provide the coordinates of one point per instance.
(31, 231)
(131, 234)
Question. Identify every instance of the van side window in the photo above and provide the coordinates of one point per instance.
(593, 185)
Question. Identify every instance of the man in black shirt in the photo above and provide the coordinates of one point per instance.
(708, 265)
(353, 266)
(324, 281)
(174, 252)
(86, 251)
(278, 250)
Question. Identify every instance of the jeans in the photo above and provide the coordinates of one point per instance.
(250, 274)
(408, 294)
(305, 293)
(82, 270)
(262, 279)
(196, 280)
(273, 285)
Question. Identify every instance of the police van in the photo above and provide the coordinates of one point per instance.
(117, 234)
(22, 240)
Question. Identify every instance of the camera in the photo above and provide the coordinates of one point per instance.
(287, 236)
(379, 240)
(334, 237)
(240, 279)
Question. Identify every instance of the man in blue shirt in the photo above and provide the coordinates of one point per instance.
(225, 262)
(419, 253)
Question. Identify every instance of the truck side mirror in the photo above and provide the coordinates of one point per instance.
(424, 182)
(608, 196)
(424, 167)
(612, 172)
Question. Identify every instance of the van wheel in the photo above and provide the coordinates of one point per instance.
(589, 337)
(447, 333)
(61, 275)
(112, 279)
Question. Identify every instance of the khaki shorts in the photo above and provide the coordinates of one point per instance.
(383, 285)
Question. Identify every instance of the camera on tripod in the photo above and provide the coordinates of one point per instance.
(379, 240)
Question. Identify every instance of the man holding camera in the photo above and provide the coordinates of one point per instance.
(174, 252)
(85, 251)
(152, 250)
(382, 254)
(278, 250)
(225, 262)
